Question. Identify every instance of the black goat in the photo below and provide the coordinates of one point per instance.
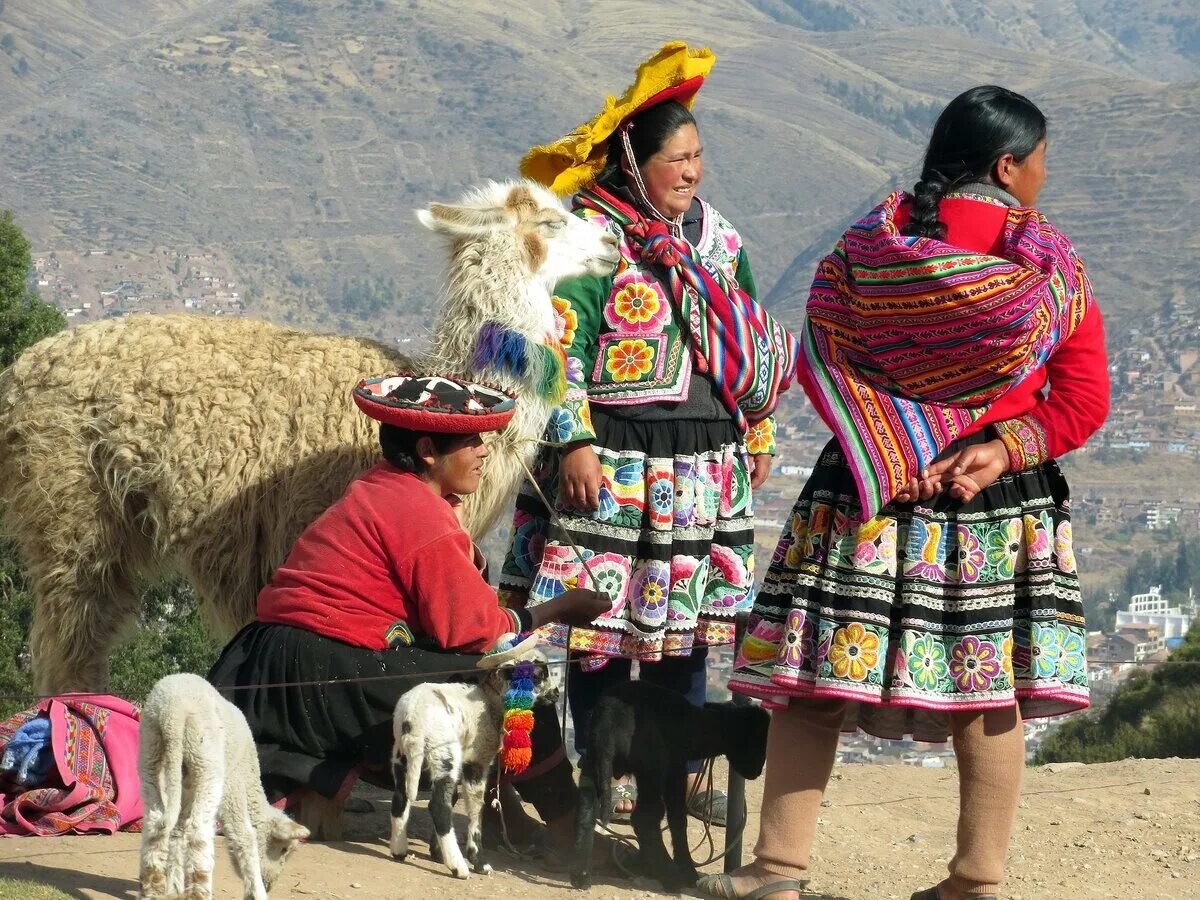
(649, 732)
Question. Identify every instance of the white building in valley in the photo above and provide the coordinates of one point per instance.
(1152, 609)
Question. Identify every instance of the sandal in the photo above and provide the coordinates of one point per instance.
(721, 887)
(711, 806)
(932, 894)
(623, 792)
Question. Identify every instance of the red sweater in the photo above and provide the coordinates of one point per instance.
(1077, 371)
(390, 550)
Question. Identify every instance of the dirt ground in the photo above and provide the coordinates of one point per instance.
(1119, 830)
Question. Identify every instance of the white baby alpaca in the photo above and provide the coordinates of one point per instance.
(452, 731)
(197, 761)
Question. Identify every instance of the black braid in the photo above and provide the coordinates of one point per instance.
(927, 196)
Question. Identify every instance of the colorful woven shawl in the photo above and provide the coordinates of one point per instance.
(93, 784)
(910, 340)
(750, 357)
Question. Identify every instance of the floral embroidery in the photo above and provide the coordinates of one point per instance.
(793, 542)
(637, 306)
(661, 499)
(629, 360)
(979, 634)
(974, 664)
(1004, 543)
(797, 647)
(760, 437)
(649, 592)
(970, 555)
(927, 662)
(574, 369)
(560, 571)
(566, 321)
(575, 402)
(1072, 659)
(607, 573)
(1045, 650)
(560, 427)
(528, 541)
(866, 551)
(854, 653)
(1025, 440)
(708, 500)
(685, 493)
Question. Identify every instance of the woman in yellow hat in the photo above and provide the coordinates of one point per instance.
(674, 371)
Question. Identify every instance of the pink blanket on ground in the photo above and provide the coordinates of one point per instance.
(93, 785)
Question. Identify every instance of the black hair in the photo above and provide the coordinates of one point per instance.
(399, 446)
(973, 131)
(650, 129)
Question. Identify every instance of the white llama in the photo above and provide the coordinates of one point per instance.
(206, 445)
(197, 761)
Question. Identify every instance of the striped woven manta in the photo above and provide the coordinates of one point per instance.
(910, 340)
(750, 357)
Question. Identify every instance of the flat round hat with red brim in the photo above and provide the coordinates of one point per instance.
(437, 404)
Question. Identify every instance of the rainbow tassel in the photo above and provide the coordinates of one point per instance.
(501, 349)
(552, 386)
(516, 748)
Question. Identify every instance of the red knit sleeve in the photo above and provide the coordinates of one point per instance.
(1076, 405)
(454, 605)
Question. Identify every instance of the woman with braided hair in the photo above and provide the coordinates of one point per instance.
(925, 585)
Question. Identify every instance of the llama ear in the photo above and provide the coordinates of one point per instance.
(462, 221)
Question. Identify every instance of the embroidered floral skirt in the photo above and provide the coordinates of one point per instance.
(672, 541)
(924, 610)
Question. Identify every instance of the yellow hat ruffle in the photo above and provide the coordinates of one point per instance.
(574, 162)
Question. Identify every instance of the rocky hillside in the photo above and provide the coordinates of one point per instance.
(294, 138)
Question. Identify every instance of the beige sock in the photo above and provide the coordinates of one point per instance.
(990, 747)
(801, 747)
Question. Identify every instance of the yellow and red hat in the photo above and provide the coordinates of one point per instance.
(574, 162)
(440, 404)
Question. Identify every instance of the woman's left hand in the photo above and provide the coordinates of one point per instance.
(761, 468)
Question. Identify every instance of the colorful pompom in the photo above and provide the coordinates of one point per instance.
(516, 759)
(515, 749)
(520, 718)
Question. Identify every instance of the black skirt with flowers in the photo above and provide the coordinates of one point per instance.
(926, 609)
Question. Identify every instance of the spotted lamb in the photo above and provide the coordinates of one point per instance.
(197, 761)
(452, 732)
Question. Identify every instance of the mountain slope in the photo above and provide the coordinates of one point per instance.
(296, 138)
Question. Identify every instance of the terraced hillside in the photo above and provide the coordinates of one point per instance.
(294, 138)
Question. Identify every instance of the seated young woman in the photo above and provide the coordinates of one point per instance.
(384, 591)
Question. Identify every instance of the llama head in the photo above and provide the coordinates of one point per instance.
(277, 838)
(512, 242)
(522, 216)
